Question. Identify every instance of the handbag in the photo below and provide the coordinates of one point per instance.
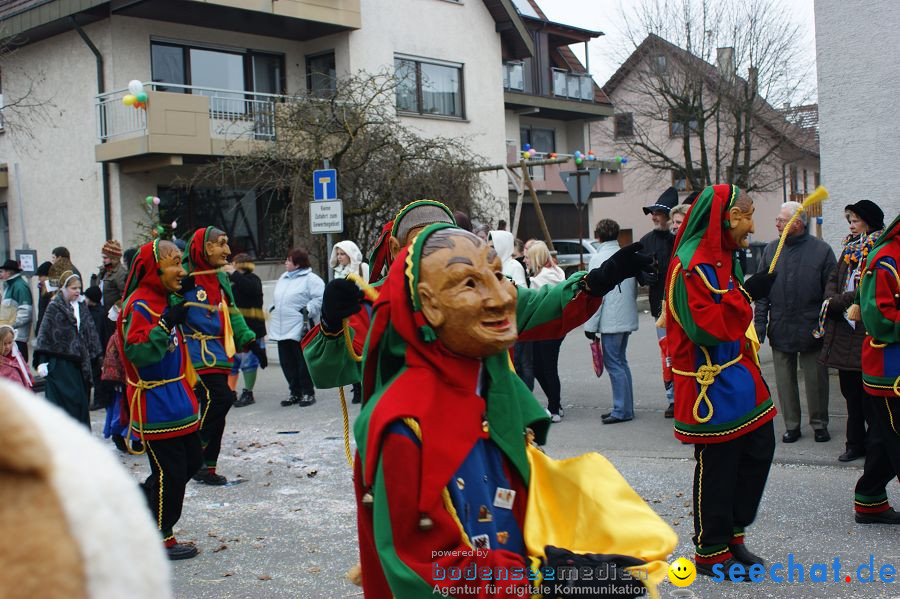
(584, 505)
(597, 356)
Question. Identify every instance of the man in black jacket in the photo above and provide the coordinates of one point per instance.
(790, 315)
(248, 297)
(659, 243)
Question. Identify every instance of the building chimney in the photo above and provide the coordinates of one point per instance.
(725, 62)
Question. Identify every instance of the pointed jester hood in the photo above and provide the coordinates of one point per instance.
(408, 373)
(703, 238)
(144, 279)
(195, 260)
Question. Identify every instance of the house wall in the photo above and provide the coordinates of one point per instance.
(858, 109)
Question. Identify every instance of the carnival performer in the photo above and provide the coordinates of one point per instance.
(442, 469)
(159, 391)
(722, 404)
(879, 302)
(215, 331)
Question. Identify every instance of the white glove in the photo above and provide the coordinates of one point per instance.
(42, 369)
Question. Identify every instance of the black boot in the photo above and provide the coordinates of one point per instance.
(290, 401)
(245, 399)
(745, 556)
(182, 551)
(209, 478)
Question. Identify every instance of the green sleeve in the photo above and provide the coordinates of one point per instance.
(150, 351)
(328, 361)
(549, 312)
(21, 293)
(682, 309)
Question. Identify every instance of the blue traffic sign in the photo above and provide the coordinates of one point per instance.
(325, 184)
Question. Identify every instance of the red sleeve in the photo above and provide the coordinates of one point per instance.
(416, 549)
(713, 318)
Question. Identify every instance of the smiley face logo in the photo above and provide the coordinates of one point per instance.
(682, 572)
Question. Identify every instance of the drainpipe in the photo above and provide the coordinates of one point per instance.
(101, 88)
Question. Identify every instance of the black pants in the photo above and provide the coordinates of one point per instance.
(729, 479)
(882, 449)
(523, 361)
(293, 365)
(172, 464)
(853, 392)
(213, 410)
(546, 371)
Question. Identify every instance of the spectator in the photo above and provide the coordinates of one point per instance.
(616, 319)
(17, 305)
(44, 292)
(789, 316)
(347, 258)
(94, 298)
(501, 226)
(482, 231)
(12, 366)
(546, 352)
(659, 243)
(297, 304)
(462, 220)
(112, 277)
(677, 216)
(65, 347)
(248, 297)
(519, 255)
(843, 338)
(504, 245)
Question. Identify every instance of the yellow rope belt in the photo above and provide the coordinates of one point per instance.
(706, 375)
(139, 387)
(204, 349)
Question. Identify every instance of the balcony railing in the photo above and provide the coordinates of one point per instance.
(577, 86)
(232, 114)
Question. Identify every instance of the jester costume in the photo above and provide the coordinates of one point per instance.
(441, 469)
(159, 396)
(722, 404)
(879, 301)
(213, 337)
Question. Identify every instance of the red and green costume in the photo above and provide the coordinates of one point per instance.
(879, 301)
(423, 486)
(159, 397)
(722, 404)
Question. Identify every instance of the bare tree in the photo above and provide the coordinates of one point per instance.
(381, 164)
(25, 103)
(685, 67)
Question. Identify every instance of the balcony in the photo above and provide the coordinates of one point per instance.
(570, 96)
(182, 121)
(546, 178)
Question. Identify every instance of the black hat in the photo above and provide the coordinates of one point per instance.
(11, 265)
(44, 269)
(869, 212)
(691, 198)
(94, 294)
(665, 203)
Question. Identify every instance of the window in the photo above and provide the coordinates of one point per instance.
(255, 221)
(795, 180)
(680, 182)
(216, 68)
(514, 75)
(805, 185)
(430, 88)
(321, 75)
(623, 126)
(659, 63)
(677, 121)
(5, 251)
(542, 140)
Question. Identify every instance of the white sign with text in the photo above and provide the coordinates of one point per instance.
(326, 216)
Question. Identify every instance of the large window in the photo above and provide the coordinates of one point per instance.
(623, 125)
(239, 70)
(321, 75)
(542, 140)
(429, 88)
(255, 221)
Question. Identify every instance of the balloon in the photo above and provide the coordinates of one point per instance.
(156, 200)
(149, 200)
(137, 105)
(624, 161)
(527, 147)
(174, 224)
(129, 100)
(141, 97)
(590, 152)
(135, 87)
(552, 154)
(578, 161)
(577, 154)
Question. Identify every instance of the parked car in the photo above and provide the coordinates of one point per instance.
(567, 253)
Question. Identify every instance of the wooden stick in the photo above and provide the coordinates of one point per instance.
(818, 195)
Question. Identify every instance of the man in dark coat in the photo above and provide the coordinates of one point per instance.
(248, 297)
(790, 315)
(659, 243)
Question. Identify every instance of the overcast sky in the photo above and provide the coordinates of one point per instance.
(605, 16)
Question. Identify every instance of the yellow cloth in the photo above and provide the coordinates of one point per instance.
(228, 334)
(754, 340)
(584, 505)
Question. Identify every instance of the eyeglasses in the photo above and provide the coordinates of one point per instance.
(781, 221)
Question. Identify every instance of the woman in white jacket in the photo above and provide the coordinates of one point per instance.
(346, 258)
(616, 319)
(546, 352)
(296, 308)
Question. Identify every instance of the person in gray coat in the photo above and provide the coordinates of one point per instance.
(790, 315)
(615, 320)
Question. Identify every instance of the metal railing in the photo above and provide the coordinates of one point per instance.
(577, 86)
(233, 114)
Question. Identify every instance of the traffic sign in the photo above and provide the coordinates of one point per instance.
(580, 183)
(325, 184)
(326, 216)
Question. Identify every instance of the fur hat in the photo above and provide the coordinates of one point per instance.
(113, 249)
(869, 212)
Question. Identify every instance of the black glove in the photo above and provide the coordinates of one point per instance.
(590, 335)
(759, 285)
(341, 299)
(259, 352)
(609, 576)
(173, 316)
(624, 264)
(188, 283)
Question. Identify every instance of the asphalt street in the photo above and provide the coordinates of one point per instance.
(287, 528)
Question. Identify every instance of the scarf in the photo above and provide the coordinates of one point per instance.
(408, 373)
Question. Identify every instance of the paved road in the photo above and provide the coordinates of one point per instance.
(289, 530)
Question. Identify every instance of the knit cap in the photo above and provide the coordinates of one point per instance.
(112, 248)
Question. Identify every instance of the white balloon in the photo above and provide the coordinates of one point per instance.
(135, 87)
